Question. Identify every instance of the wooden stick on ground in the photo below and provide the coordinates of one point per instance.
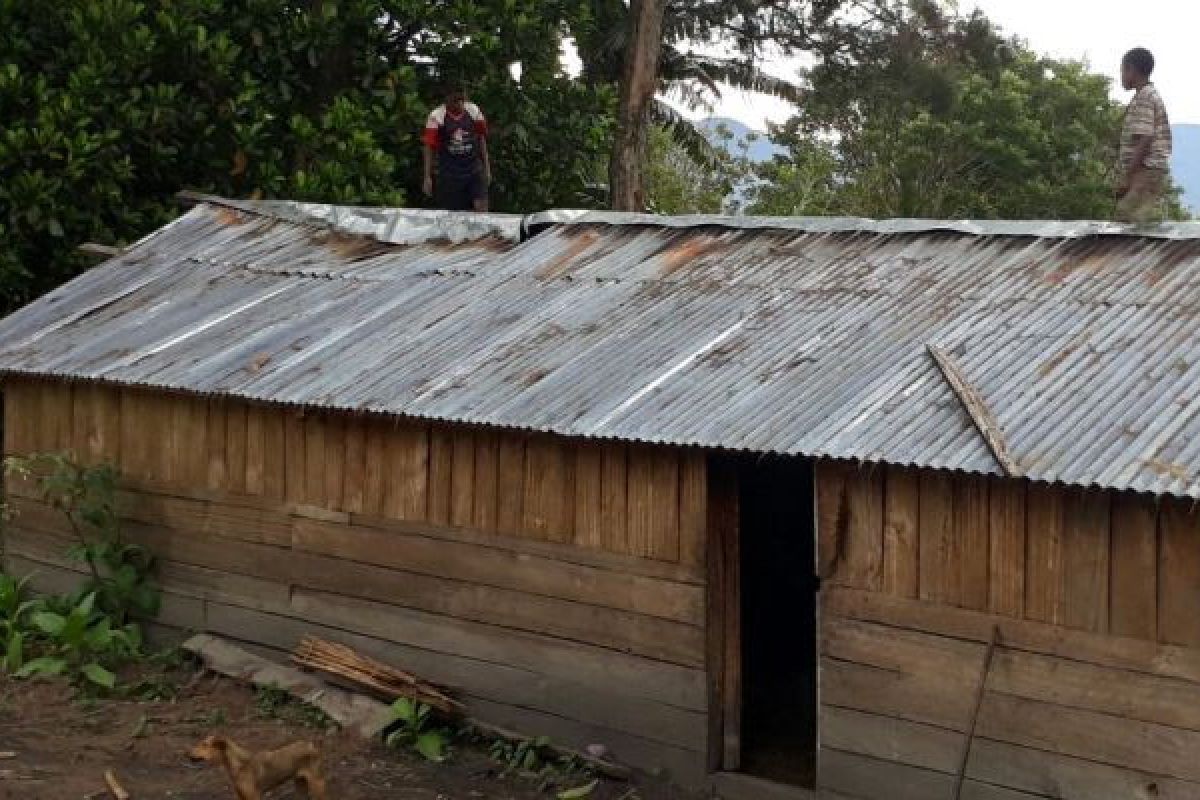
(115, 789)
(976, 409)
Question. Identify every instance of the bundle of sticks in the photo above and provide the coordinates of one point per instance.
(343, 665)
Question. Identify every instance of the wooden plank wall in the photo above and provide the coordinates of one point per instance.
(1095, 681)
(559, 587)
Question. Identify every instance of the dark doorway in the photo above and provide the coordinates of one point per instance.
(779, 619)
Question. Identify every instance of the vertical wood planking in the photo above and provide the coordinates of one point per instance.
(654, 503)
(1133, 581)
(274, 453)
(614, 497)
(733, 684)
(721, 521)
(378, 445)
(589, 472)
(335, 460)
(293, 456)
(1044, 554)
(135, 438)
(901, 551)
(409, 476)
(314, 459)
(235, 445)
(441, 465)
(693, 508)
(256, 462)
(971, 527)
(510, 483)
(1006, 547)
(487, 453)
(189, 439)
(833, 518)
(56, 417)
(940, 547)
(1086, 547)
(1179, 573)
(97, 424)
(217, 477)
(548, 507)
(863, 548)
(462, 479)
(354, 474)
(20, 417)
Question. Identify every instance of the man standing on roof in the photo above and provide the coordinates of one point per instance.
(457, 132)
(1145, 144)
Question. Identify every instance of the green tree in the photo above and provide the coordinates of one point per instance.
(676, 183)
(112, 106)
(947, 118)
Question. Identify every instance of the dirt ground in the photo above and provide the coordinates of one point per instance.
(53, 746)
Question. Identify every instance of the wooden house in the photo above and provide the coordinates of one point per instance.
(693, 489)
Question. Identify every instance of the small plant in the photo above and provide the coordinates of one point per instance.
(15, 611)
(412, 727)
(275, 703)
(121, 572)
(535, 759)
(82, 644)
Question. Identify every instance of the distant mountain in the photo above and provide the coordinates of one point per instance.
(759, 150)
(1185, 167)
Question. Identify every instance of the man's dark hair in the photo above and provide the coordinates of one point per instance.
(1140, 59)
(450, 88)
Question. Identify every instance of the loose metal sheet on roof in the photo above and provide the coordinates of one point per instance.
(789, 339)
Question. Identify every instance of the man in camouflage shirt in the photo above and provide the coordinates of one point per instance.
(1145, 144)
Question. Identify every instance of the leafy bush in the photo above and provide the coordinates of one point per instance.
(413, 728)
(15, 610)
(82, 644)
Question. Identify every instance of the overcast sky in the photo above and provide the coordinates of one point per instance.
(1099, 31)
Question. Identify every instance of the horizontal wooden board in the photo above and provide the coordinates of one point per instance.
(1102, 738)
(915, 698)
(891, 739)
(902, 651)
(874, 779)
(1044, 774)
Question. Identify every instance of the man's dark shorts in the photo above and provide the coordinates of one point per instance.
(459, 193)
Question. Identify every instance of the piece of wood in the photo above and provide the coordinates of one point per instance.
(235, 445)
(335, 461)
(20, 416)
(1046, 774)
(294, 457)
(973, 723)
(653, 497)
(217, 477)
(314, 460)
(693, 507)
(354, 469)
(1179, 573)
(1006, 547)
(1074, 684)
(114, 786)
(901, 514)
(510, 483)
(354, 712)
(55, 417)
(588, 524)
(1133, 583)
(96, 424)
(614, 499)
(1105, 739)
(1086, 546)
(733, 689)
(1044, 571)
(256, 460)
(381, 451)
(548, 506)
(907, 652)
(462, 478)
(101, 251)
(863, 548)
(487, 465)
(971, 527)
(441, 465)
(873, 779)
(975, 406)
(722, 522)
(517, 569)
(890, 739)
(274, 453)
(941, 547)
(408, 492)
(1105, 650)
(135, 444)
(833, 518)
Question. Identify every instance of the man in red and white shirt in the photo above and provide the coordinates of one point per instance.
(457, 133)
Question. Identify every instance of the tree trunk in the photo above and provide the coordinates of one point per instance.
(639, 80)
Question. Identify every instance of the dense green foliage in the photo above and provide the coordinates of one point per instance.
(945, 118)
(112, 106)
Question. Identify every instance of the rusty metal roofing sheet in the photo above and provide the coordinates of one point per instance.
(784, 339)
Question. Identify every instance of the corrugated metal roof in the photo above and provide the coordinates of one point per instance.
(786, 339)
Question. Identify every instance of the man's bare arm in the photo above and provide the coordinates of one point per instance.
(486, 159)
(427, 182)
